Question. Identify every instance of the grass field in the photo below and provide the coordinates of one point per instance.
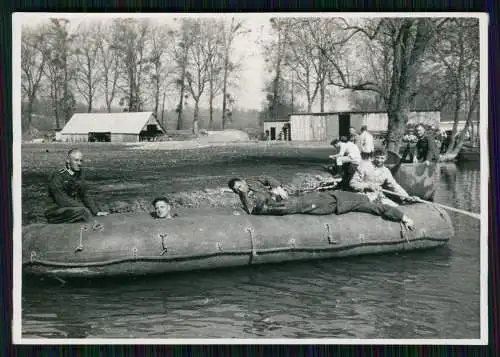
(126, 178)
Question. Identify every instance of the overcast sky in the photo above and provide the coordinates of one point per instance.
(248, 96)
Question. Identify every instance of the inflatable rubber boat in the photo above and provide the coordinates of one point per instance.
(137, 244)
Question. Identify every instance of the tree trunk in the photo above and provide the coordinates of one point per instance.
(459, 141)
(180, 118)
(195, 118)
(163, 111)
(224, 88)
(322, 97)
(157, 98)
(396, 128)
(211, 105)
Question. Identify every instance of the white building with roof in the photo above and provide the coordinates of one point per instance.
(114, 127)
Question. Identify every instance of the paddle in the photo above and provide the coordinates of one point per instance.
(470, 214)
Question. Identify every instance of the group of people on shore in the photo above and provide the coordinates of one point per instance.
(363, 177)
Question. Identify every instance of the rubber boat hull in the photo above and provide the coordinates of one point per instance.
(418, 179)
(139, 245)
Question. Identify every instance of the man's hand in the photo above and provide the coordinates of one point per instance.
(373, 187)
(101, 213)
(279, 192)
(408, 223)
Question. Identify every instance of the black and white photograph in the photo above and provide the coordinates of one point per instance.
(250, 178)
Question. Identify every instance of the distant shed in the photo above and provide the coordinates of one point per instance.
(115, 127)
(325, 126)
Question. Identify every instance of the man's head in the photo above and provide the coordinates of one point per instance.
(379, 157)
(335, 143)
(162, 207)
(352, 131)
(420, 130)
(74, 160)
(238, 185)
(364, 128)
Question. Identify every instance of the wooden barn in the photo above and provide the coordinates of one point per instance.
(111, 127)
(326, 126)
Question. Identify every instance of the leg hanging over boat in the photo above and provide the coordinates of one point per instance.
(68, 215)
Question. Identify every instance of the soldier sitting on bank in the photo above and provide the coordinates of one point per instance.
(68, 191)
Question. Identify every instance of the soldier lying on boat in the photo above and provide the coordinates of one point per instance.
(372, 175)
(266, 202)
(68, 191)
(258, 188)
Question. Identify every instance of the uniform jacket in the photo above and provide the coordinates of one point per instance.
(68, 189)
(426, 149)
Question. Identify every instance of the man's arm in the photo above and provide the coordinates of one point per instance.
(87, 199)
(245, 202)
(61, 198)
(268, 181)
(432, 149)
(357, 182)
(392, 183)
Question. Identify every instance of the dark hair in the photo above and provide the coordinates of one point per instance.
(344, 139)
(232, 182)
(379, 152)
(335, 141)
(158, 199)
(364, 128)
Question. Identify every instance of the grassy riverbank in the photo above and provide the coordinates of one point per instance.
(126, 177)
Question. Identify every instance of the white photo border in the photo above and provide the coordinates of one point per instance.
(20, 18)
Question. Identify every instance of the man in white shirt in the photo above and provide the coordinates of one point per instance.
(347, 159)
(372, 176)
(366, 143)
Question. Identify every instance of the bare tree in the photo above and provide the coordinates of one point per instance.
(58, 53)
(87, 73)
(229, 33)
(181, 55)
(33, 60)
(274, 52)
(406, 41)
(197, 73)
(216, 61)
(161, 40)
(458, 51)
(129, 41)
(303, 61)
(110, 64)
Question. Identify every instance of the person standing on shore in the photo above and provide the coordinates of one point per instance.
(353, 136)
(426, 150)
(366, 143)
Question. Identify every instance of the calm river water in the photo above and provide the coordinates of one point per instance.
(429, 294)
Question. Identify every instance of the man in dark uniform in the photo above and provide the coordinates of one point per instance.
(426, 149)
(319, 203)
(68, 191)
(257, 189)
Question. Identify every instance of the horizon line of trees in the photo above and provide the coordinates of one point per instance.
(132, 63)
(393, 64)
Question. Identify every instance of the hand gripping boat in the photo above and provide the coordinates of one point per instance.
(139, 245)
